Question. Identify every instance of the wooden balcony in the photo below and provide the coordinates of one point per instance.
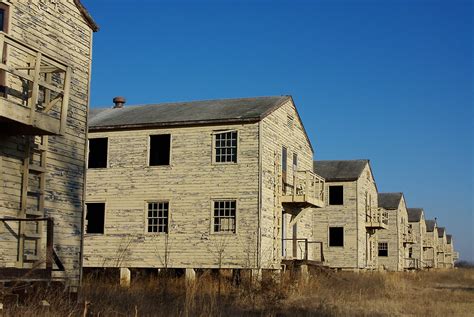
(377, 219)
(455, 255)
(412, 264)
(428, 264)
(35, 90)
(409, 237)
(428, 243)
(306, 190)
(440, 248)
(303, 249)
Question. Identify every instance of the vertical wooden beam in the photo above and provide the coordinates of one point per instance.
(65, 104)
(49, 245)
(35, 90)
(2, 44)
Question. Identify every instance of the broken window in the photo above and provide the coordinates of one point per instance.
(224, 216)
(336, 194)
(98, 153)
(226, 147)
(336, 236)
(158, 213)
(383, 249)
(295, 162)
(95, 217)
(160, 146)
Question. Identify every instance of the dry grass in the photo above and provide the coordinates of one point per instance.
(437, 293)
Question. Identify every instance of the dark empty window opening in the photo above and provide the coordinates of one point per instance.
(383, 249)
(226, 147)
(98, 153)
(336, 195)
(4, 10)
(158, 217)
(336, 236)
(95, 217)
(160, 146)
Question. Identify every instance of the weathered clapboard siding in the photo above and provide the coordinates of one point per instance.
(394, 237)
(339, 216)
(57, 29)
(442, 243)
(367, 205)
(189, 184)
(283, 128)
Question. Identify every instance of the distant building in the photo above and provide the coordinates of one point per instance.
(442, 248)
(395, 242)
(416, 221)
(430, 244)
(349, 224)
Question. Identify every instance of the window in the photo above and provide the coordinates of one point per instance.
(295, 161)
(226, 147)
(336, 194)
(383, 249)
(98, 153)
(95, 217)
(224, 216)
(160, 146)
(158, 213)
(410, 253)
(4, 9)
(336, 236)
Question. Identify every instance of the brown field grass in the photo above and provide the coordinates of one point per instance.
(435, 293)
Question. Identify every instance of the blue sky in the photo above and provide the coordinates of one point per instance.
(391, 81)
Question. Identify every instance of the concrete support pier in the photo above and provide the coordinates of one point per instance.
(189, 275)
(125, 277)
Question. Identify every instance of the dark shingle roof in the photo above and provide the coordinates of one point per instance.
(185, 113)
(430, 225)
(440, 232)
(449, 238)
(389, 200)
(349, 170)
(414, 214)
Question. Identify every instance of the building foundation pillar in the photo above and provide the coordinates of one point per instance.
(125, 277)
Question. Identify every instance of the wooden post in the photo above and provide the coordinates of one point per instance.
(304, 272)
(49, 245)
(65, 104)
(35, 90)
(256, 276)
(306, 249)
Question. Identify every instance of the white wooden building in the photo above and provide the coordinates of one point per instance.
(441, 248)
(205, 184)
(349, 224)
(416, 221)
(430, 244)
(45, 69)
(395, 241)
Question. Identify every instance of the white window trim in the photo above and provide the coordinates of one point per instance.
(213, 145)
(145, 218)
(211, 227)
(343, 237)
(148, 148)
(105, 217)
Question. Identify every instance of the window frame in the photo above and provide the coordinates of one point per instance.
(379, 249)
(85, 217)
(212, 231)
(214, 150)
(329, 195)
(6, 7)
(107, 163)
(145, 214)
(149, 151)
(343, 236)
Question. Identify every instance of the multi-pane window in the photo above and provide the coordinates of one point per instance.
(224, 216)
(158, 217)
(383, 249)
(226, 147)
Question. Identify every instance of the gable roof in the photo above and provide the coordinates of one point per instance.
(340, 170)
(186, 113)
(449, 238)
(441, 232)
(414, 214)
(389, 200)
(86, 15)
(430, 225)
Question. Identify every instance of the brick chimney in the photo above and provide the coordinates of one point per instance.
(119, 102)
